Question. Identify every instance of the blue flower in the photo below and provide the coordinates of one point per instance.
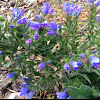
(25, 88)
(17, 58)
(72, 9)
(49, 61)
(34, 25)
(60, 26)
(95, 62)
(26, 85)
(70, 55)
(66, 67)
(98, 3)
(91, 1)
(36, 37)
(82, 55)
(61, 95)
(10, 26)
(1, 53)
(25, 35)
(10, 75)
(69, 97)
(23, 91)
(16, 14)
(45, 24)
(29, 41)
(37, 17)
(25, 79)
(51, 11)
(22, 20)
(98, 19)
(94, 51)
(50, 32)
(30, 95)
(75, 64)
(46, 9)
(53, 28)
(42, 65)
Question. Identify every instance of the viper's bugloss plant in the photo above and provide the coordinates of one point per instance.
(46, 9)
(45, 54)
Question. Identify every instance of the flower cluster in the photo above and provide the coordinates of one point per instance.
(16, 14)
(72, 10)
(25, 90)
(46, 9)
(92, 1)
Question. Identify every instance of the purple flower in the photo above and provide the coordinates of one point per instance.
(49, 61)
(37, 17)
(95, 62)
(98, 19)
(82, 55)
(16, 14)
(91, 1)
(45, 24)
(25, 35)
(25, 85)
(50, 32)
(69, 97)
(23, 91)
(75, 64)
(66, 67)
(10, 26)
(10, 75)
(17, 58)
(94, 51)
(22, 20)
(51, 11)
(61, 95)
(36, 37)
(98, 3)
(34, 25)
(30, 95)
(29, 41)
(53, 26)
(72, 9)
(70, 55)
(60, 26)
(1, 53)
(46, 9)
(25, 88)
(25, 79)
(41, 65)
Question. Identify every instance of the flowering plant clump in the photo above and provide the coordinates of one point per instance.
(39, 50)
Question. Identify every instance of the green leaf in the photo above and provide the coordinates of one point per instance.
(84, 92)
(86, 77)
(96, 93)
(5, 25)
(96, 71)
(8, 64)
(2, 18)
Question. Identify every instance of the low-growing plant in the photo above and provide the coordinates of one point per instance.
(43, 53)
